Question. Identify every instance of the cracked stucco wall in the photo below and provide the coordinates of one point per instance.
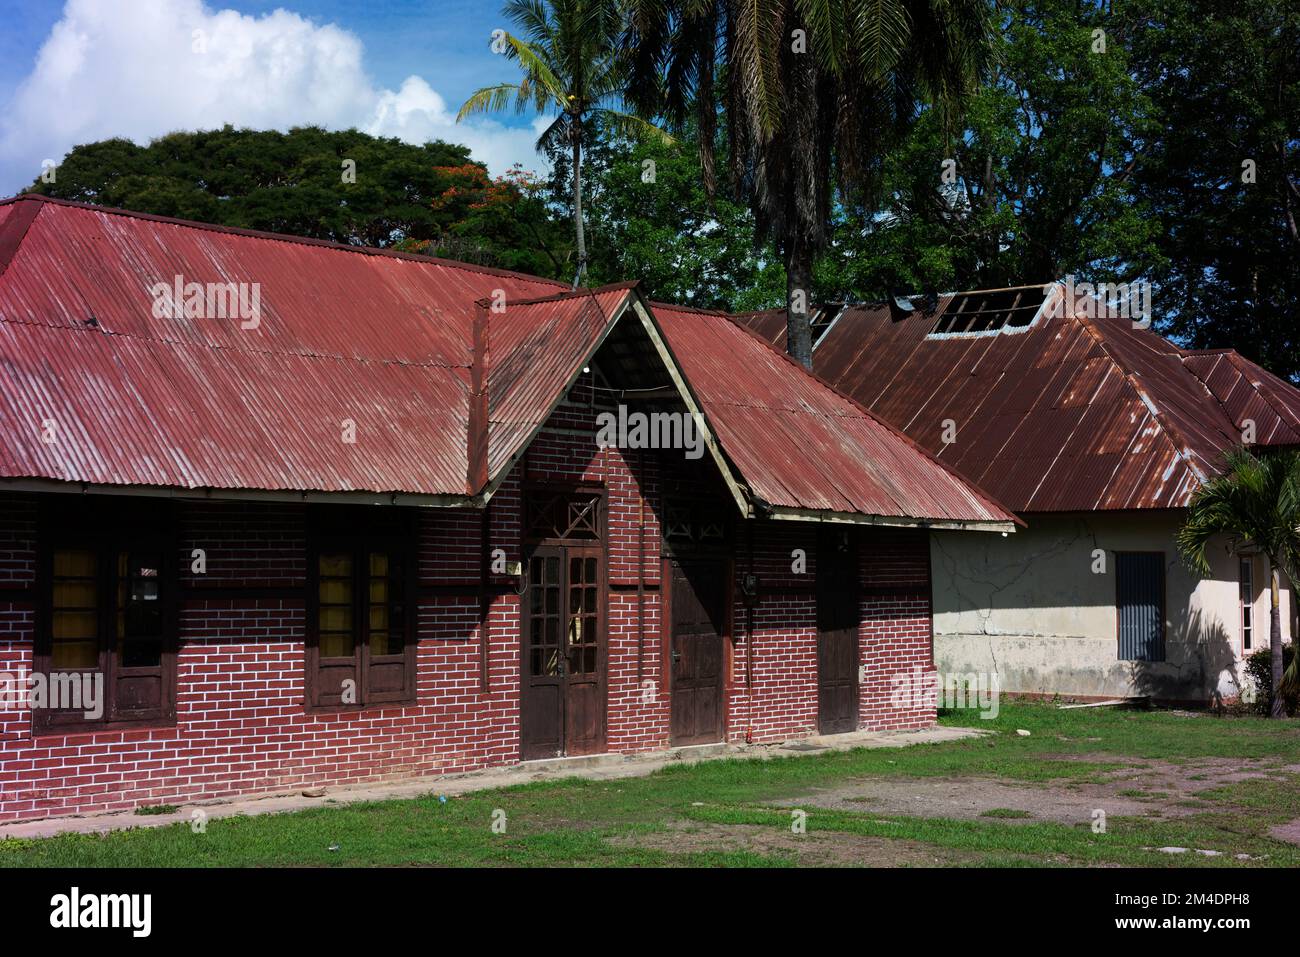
(1031, 608)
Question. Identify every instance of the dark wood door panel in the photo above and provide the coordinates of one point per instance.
(698, 612)
(838, 619)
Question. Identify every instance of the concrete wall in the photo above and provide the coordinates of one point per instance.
(1031, 607)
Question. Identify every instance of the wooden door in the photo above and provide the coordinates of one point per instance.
(838, 618)
(562, 694)
(698, 608)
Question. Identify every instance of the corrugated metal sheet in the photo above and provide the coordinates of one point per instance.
(535, 349)
(1074, 414)
(130, 397)
(1249, 393)
(799, 444)
(381, 340)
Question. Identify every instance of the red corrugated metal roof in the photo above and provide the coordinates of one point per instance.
(1073, 414)
(386, 342)
(535, 350)
(799, 444)
(380, 340)
(1249, 393)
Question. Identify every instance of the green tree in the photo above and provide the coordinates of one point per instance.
(1039, 184)
(1256, 503)
(813, 93)
(1221, 173)
(571, 64)
(344, 186)
(651, 219)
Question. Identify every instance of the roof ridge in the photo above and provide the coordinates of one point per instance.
(282, 237)
(580, 292)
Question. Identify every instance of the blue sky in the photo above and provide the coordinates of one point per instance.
(85, 69)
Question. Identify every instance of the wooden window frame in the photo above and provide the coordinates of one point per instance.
(107, 538)
(1246, 563)
(359, 546)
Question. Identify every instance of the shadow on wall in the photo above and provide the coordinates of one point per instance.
(1199, 655)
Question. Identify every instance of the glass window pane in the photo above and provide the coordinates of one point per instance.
(74, 625)
(336, 645)
(336, 565)
(335, 591)
(74, 654)
(337, 618)
(378, 564)
(74, 594)
(74, 563)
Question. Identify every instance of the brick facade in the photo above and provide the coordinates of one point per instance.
(241, 727)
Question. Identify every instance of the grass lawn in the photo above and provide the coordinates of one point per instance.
(1160, 779)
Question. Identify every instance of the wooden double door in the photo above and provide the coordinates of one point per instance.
(698, 597)
(562, 688)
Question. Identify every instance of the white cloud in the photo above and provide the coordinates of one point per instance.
(142, 68)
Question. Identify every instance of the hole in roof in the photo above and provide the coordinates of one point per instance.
(990, 312)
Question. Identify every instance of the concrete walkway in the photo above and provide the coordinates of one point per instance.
(595, 767)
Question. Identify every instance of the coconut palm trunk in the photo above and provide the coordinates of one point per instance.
(575, 131)
(798, 273)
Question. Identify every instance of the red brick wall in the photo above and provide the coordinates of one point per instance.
(241, 727)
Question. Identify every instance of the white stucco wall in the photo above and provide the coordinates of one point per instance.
(1030, 607)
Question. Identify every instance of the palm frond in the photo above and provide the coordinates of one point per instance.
(490, 99)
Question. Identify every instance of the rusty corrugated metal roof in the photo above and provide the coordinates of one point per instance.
(344, 335)
(383, 344)
(1076, 413)
(1249, 394)
(535, 350)
(800, 445)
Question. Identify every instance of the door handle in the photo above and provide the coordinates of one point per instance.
(677, 656)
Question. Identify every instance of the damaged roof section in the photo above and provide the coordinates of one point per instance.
(1074, 412)
(402, 378)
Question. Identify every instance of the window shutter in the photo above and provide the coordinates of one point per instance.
(1140, 605)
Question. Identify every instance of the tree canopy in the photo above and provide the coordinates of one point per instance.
(345, 186)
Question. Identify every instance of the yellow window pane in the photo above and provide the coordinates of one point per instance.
(379, 590)
(379, 643)
(378, 618)
(74, 625)
(339, 565)
(335, 591)
(74, 654)
(74, 563)
(378, 563)
(336, 619)
(336, 646)
(74, 594)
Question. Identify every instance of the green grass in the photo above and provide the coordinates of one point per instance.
(646, 822)
(1007, 812)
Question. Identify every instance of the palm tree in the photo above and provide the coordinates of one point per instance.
(812, 93)
(1256, 502)
(572, 63)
